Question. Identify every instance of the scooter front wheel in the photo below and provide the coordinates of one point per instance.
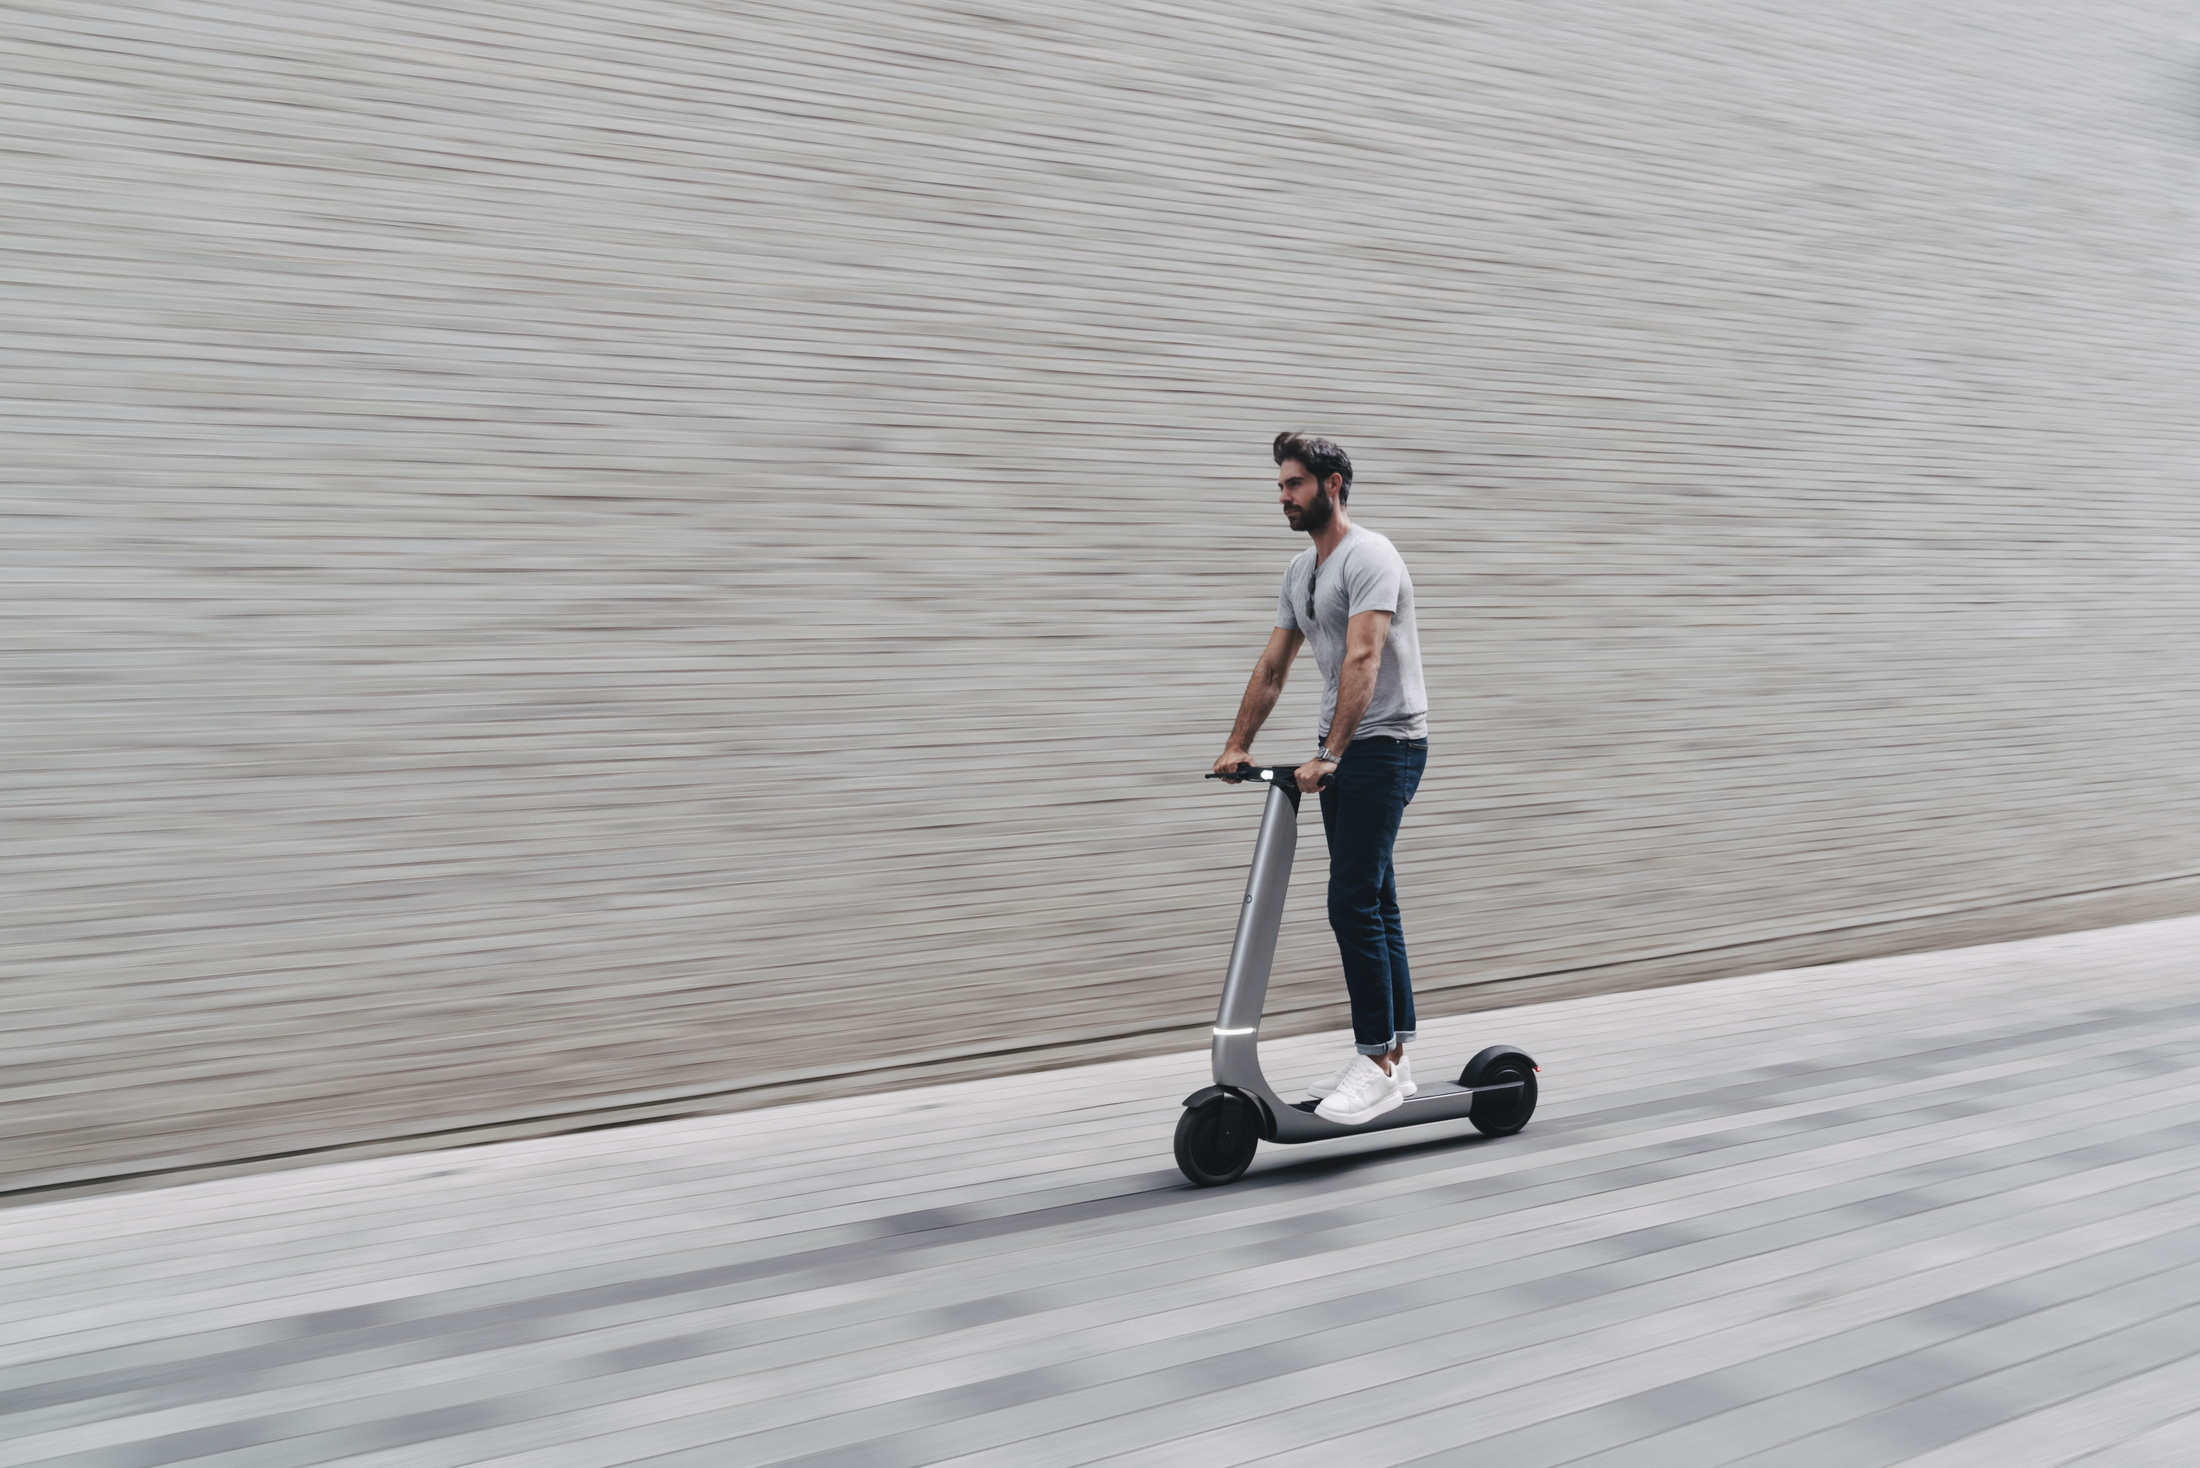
(1216, 1139)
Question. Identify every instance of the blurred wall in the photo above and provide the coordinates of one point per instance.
(570, 556)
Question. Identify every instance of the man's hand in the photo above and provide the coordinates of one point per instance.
(1232, 758)
(1310, 774)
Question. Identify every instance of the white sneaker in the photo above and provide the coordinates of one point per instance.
(1367, 1092)
(1403, 1070)
(1323, 1089)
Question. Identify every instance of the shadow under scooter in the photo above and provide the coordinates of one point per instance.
(1224, 1123)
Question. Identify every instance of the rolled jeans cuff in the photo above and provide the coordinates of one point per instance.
(1400, 1038)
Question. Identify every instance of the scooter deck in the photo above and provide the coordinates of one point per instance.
(1423, 1096)
(1435, 1101)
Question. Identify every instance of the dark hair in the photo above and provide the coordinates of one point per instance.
(1321, 458)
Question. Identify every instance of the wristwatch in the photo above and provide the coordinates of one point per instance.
(1321, 752)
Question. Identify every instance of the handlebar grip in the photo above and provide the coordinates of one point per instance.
(1247, 773)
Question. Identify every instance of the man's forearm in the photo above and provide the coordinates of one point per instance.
(1355, 690)
(1253, 710)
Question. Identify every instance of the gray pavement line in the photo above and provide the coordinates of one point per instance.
(1080, 1203)
(179, 1373)
(506, 1400)
(937, 1219)
(1263, 1362)
(1636, 1348)
(66, 1185)
(2065, 1433)
(1444, 1295)
(1576, 1138)
(1885, 1399)
(124, 1381)
(1106, 1194)
(2117, 1336)
(615, 1107)
(1771, 1218)
(1292, 1354)
(1785, 1076)
(1922, 1064)
(2168, 1445)
(1253, 1209)
(1926, 1061)
(13, 1402)
(496, 1315)
(398, 1386)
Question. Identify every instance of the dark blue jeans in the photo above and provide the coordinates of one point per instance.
(1360, 815)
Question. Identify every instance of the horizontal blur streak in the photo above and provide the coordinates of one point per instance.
(569, 552)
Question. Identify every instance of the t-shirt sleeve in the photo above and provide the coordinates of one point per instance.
(1287, 615)
(1376, 580)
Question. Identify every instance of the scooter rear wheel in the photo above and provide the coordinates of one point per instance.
(1216, 1139)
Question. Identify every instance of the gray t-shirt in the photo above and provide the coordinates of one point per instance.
(1364, 573)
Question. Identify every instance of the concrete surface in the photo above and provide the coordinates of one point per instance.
(1936, 1210)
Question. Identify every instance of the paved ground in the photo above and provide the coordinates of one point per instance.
(1932, 1210)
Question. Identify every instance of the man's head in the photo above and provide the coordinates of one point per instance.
(1313, 477)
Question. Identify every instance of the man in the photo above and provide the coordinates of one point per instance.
(1351, 596)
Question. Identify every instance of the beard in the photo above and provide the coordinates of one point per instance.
(1315, 517)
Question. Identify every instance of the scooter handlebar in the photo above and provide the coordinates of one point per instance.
(1257, 774)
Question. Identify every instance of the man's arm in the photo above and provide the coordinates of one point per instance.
(1261, 692)
(1364, 638)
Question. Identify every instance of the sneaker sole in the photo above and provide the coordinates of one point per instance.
(1391, 1102)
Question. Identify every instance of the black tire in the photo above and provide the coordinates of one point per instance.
(1501, 1113)
(1215, 1140)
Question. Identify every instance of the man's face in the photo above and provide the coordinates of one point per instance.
(1306, 503)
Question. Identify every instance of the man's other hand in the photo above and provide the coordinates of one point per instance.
(1232, 759)
(1310, 774)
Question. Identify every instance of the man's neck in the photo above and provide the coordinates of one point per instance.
(1331, 535)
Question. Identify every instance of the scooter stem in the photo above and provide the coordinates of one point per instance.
(1253, 952)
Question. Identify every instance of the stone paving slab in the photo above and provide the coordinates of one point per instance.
(1939, 1210)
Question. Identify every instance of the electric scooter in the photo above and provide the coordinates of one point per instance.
(1224, 1123)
